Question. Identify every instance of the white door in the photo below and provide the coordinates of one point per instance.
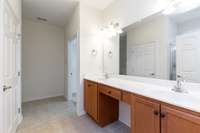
(9, 69)
(149, 60)
(1, 68)
(143, 60)
(188, 57)
(72, 69)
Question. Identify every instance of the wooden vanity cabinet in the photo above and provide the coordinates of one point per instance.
(101, 102)
(149, 116)
(175, 120)
(126, 97)
(108, 105)
(91, 99)
(145, 116)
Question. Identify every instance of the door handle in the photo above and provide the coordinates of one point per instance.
(5, 88)
(162, 114)
(179, 76)
(156, 112)
(152, 74)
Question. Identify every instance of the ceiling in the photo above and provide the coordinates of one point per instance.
(98, 4)
(57, 12)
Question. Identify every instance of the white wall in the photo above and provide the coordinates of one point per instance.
(111, 61)
(90, 38)
(127, 12)
(71, 28)
(123, 11)
(188, 26)
(42, 60)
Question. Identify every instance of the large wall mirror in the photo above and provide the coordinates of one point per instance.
(163, 47)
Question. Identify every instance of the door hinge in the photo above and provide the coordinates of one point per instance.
(19, 110)
(19, 74)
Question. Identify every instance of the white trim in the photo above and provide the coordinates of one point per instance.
(81, 113)
(43, 97)
(12, 10)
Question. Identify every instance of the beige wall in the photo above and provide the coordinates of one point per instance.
(42, 60)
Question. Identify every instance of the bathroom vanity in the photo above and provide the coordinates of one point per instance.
(154, 108)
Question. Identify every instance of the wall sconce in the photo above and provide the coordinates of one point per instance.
(110, 53)
(94, 52)
(112, 29)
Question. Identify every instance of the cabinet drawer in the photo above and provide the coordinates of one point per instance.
(126, 97)
(112, 92)
(90, 84)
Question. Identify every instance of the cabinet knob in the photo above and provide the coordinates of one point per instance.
(109, 92)
(162, 115)
(156, 112)
(152, 74)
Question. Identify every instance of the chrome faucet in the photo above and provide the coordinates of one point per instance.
(106, 75)
(179, 85)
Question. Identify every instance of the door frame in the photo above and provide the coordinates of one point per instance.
(68, 68)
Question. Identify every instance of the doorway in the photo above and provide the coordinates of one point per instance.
(72, 68)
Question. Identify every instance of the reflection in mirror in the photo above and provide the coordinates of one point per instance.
(164, 47)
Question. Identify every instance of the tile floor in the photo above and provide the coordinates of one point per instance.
(55, 115)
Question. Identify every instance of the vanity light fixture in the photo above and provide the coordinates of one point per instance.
(181, 6)
(112, 29)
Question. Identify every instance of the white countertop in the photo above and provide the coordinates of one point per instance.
(156, 89)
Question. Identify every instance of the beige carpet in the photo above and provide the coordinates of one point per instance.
(55, 115)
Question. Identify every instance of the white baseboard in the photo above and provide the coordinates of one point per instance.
(42, 97)
(81, 113)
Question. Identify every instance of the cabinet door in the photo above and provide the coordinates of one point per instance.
(145, 116)
(175, 121)
(90, 96)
